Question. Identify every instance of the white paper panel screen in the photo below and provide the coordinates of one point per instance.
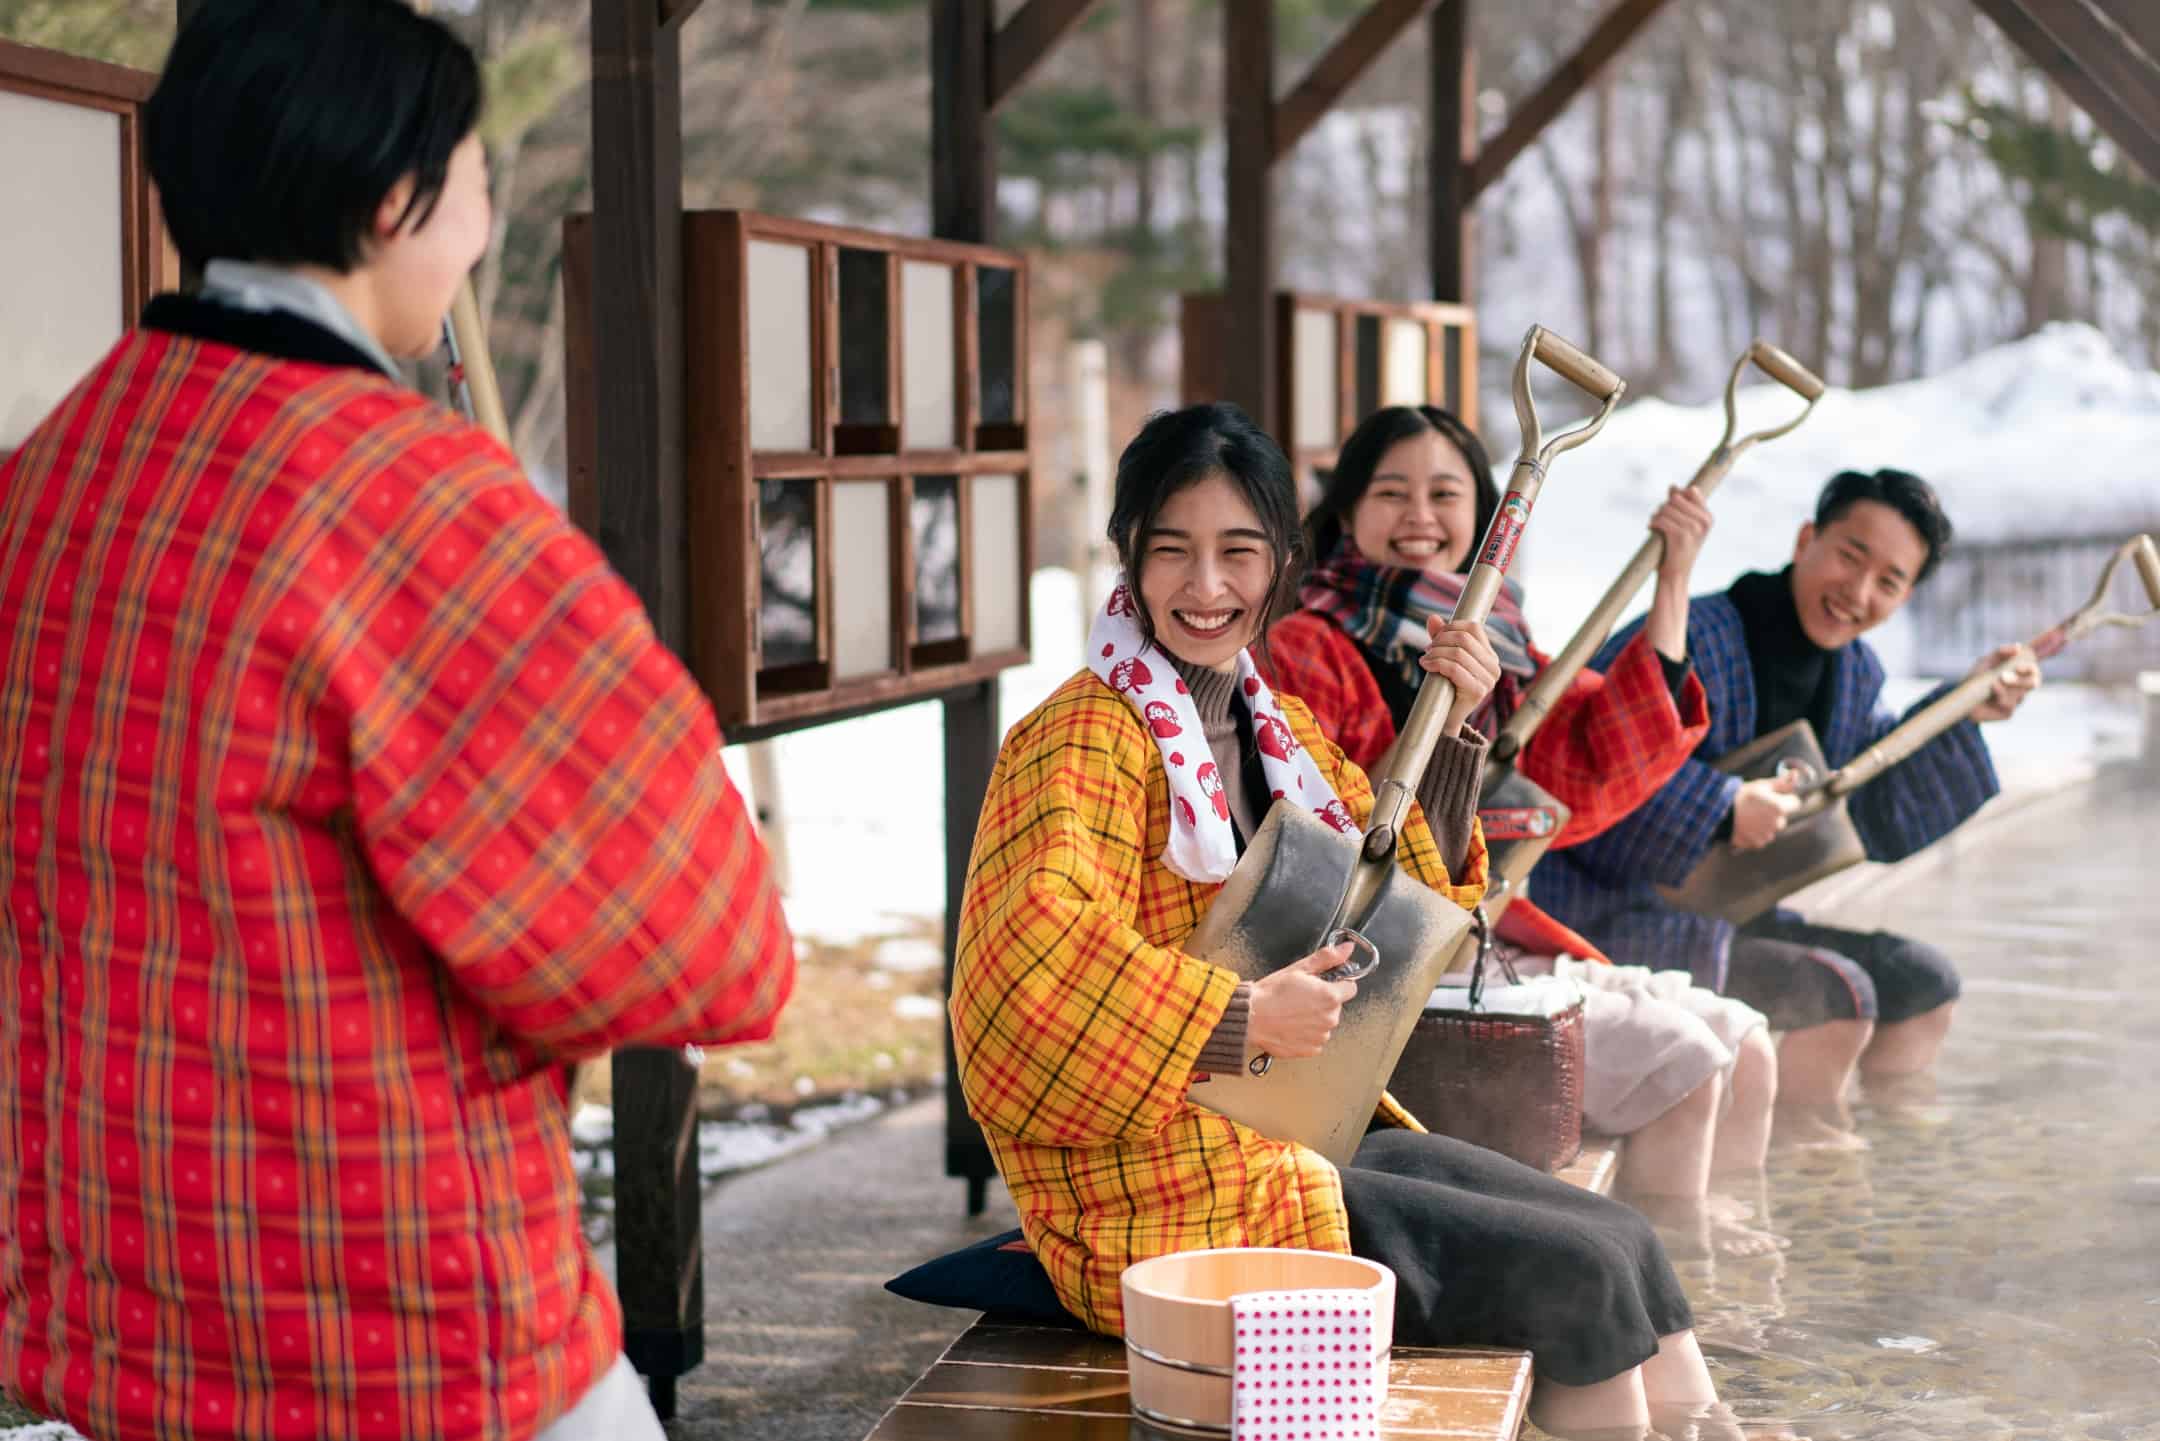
(995, 553)
(61, 294)
(861, 578)
(1315, 360)
(780, 347)
(928, 380)
(1405, 364)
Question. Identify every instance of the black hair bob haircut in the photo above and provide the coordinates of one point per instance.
(1904, 492)
(1360, 457)
(1177, 449)
(278, 126)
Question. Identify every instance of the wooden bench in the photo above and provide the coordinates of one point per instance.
(1008, 1381)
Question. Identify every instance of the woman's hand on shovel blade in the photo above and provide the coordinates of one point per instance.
(1459, 652)
(1294, 1011)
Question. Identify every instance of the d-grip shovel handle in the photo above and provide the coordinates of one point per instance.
(1436, 696)
(1560, 672)
(1973, 692)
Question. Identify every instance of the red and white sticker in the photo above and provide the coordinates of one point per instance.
(1506, 531)
(1518, 823)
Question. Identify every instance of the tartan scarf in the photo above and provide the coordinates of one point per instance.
(1383, 609)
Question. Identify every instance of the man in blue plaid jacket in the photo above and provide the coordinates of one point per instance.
(1773, 649)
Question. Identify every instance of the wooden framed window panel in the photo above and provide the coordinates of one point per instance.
(72, 283)
(1339, 360)
(860, 490)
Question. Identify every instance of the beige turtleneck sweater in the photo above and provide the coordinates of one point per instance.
(1448, 793)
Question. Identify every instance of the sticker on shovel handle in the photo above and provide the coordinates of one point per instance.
(1518, 823)
(1506, 532)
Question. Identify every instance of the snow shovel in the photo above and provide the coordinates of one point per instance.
(1521, 817)
(1302, 884)
(1819, 838)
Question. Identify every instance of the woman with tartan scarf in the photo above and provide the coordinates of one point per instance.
(1687, 1075)
(1116, 809)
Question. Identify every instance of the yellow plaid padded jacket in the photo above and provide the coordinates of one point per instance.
(1079, 1023)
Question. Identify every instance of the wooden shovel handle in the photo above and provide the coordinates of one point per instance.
(1559, 673)
(1786, 371)
(1573, 365)
(2147, 557)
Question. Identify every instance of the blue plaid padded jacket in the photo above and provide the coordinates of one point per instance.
(1604, 887)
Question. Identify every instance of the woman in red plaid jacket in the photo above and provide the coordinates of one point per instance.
(1687, 1075)
(347, 796)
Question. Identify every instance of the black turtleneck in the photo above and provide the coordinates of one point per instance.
(1793, 675)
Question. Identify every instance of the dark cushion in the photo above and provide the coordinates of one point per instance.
(998, 1276)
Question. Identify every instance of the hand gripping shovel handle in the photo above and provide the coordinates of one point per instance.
(1973, 692)
(1436, 696)
(1560, 672)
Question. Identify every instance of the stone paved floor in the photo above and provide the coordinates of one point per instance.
(802, 1342)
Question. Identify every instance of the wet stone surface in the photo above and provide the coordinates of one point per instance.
(1990, 1267)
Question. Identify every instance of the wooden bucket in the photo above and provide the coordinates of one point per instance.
(1178, 1328)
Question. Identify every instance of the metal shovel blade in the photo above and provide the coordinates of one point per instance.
(1274, 910)
(1738, 886)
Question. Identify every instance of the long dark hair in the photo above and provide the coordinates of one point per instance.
(1180, 448)
(1361, 455)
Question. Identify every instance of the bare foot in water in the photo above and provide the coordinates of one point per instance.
(1700, 1228)
(1716, 1422)
(1811, 1130)
(1739, 1242)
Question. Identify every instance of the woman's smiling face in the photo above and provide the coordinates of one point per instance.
(1420, 511)
(1207, 569)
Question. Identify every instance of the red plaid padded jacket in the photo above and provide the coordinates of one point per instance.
(347, 795)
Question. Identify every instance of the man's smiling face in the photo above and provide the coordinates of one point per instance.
(1853, 574)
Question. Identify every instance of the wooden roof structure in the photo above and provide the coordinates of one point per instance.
(2105, 55)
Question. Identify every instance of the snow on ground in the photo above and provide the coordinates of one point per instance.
(863, 798)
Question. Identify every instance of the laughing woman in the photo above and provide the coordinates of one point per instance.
(1687, 1075)
(1116, 809)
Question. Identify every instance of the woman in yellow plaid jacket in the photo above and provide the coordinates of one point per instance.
(1117, 807)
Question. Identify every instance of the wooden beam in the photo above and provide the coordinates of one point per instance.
(963, 170)
(963, 206)
(1452, 145)
(674, 12)
(638, 430)
(1334, 73)
(2100, 51)
(2138, 19)
(1567, 80)
(2045, 51)
(1027, 40)
(1249, 234)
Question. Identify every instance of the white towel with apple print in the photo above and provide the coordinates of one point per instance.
(1203, 846)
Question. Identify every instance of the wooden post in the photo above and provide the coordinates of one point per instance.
(637, 286)
(1450, 150)
(963, 199)
(963, 165)
(1249, 234)
(1088, 371)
